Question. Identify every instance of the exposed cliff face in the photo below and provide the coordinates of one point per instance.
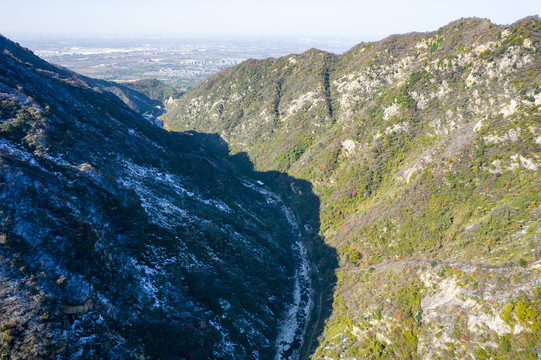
(424, 149)
(121, 240)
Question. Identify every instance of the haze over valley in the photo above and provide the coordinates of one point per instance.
(180, 62)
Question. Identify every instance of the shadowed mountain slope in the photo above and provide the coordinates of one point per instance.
(119, 240)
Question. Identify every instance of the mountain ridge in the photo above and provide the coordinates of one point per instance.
(121, 240)
(137, 100)
(424, 150)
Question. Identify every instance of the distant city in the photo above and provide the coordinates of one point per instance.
(181, 63)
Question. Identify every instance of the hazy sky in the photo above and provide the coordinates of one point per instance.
(362, 20)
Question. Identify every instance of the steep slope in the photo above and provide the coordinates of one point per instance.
(136, 100)
(424, 150)
(153, 88)
(120, 240)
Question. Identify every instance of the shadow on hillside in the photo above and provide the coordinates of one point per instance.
(298, 195)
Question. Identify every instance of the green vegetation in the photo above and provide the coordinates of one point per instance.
(154, 89)
(415, 154)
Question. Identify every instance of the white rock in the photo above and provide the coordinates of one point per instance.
(509, 109)
(349, 145)
(479, 320)
(446, 296)
(478, 126)
(390, 111)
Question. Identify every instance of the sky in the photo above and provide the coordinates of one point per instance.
(341, 19)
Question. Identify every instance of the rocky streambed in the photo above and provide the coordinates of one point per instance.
(294, 326)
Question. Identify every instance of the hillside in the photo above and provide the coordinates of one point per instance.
(153, 88)
(120, 240)
(136, 100)
(424, 151)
